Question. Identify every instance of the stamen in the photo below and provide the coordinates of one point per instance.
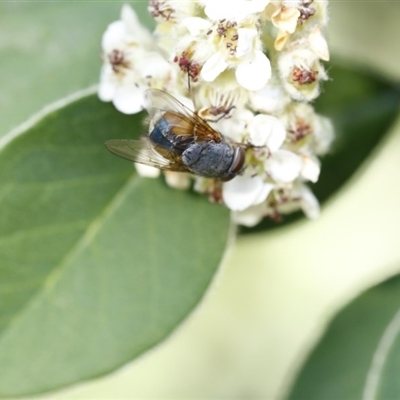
(303, 76)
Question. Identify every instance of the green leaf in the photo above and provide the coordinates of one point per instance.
(97, 264)
(362, 107)
(50, 49)
(359, 355)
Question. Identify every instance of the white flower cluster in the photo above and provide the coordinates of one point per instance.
(257, 61)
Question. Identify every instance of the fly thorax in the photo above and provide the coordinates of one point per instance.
(208, 159)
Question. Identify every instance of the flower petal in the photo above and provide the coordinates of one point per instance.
(284, 166)
(281, 39)
(311, 168)
(266, 130)
(263, 194)
(146, 171)
(153, 65)
(271, 99)
(318, 44)
(177, 180)
(129, 99)
(134, 28)
(217, 10)
(107, 85)
(286, 19)
(235, 10)
(244, 191)
(309, 203)
(254, 6)
(245, 42)
(196, 25)
(128, 16)
(323, 135)
(249, 217)
(113, 37)
(213, 67)
(253, 74)
(234, 127)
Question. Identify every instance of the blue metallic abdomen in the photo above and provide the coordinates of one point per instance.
(159, 135)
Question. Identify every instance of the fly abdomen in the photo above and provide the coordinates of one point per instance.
(159, 135)
(170, 134)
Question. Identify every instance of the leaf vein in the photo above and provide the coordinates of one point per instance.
(380, 356)
(83, 242)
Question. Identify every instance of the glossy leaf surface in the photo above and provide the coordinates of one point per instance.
(49, 50)
(358, 357)
(96, 263)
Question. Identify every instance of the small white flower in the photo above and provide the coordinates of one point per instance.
(225, 96)
(244, 191)
(232, 45)
(301, 72)
(178, 180)
(283, 166)
(130, 63)
(252, 72)
(266, 130)
(224, 93)
(146, 171)
(285, 17)
(300, 121)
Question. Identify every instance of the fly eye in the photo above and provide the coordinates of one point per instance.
(237, 164)
(238, 160)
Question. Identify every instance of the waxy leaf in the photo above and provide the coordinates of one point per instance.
(358, 357)
(49, 49)
(362, 107)
(96, 263)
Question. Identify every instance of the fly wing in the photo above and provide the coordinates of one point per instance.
(142, 151)
(159, 102)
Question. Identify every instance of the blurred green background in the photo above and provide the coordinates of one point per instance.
(276, 291)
